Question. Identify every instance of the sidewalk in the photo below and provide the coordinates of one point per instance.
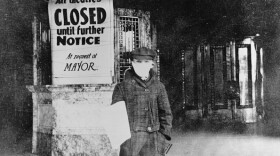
(185, 144)
(210, 144)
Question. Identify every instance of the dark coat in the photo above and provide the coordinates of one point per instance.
(147, 103)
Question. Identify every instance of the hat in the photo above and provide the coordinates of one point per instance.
(143, 53)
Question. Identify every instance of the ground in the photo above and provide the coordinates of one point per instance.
(223, 144)
(201, 142)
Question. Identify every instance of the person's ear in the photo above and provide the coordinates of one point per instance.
(153, 63)
(132, 63)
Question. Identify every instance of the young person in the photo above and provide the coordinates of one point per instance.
(148, 107)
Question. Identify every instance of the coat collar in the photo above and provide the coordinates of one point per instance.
(131, 75)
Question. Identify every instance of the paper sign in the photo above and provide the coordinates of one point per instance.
(82, 41)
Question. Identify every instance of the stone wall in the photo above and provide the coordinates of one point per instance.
(66, 120)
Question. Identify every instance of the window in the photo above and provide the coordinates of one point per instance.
(128, 41)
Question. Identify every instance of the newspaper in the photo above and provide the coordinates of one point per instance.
(115, 121)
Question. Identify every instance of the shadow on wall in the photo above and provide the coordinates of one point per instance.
(14, 140)
(272, 116)
(272, 87)
(15, 128)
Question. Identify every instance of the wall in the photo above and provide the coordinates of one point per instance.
(16, 63)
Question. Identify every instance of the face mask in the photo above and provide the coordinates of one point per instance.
(142, 68)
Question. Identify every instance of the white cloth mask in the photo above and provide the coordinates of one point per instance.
(142, 68)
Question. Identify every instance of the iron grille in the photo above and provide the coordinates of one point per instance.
(128, 41)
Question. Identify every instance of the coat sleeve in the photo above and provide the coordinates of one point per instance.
(118, 94)
(165, 114)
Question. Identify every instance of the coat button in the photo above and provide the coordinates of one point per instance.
(149, 129)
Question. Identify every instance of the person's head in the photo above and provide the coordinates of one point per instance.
(142, 61)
